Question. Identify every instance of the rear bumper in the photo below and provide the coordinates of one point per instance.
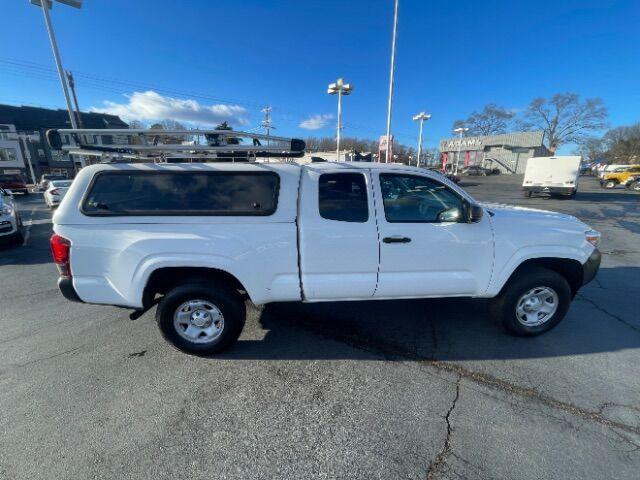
(65, 284)
(550, 190)
(591, 266)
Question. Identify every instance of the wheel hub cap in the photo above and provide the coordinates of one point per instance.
(537, 306)
(198, 321)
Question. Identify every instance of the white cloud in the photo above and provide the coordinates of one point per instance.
(152, 106)
(316, 122)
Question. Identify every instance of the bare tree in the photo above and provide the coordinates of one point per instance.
(565, 118)
(492, 120)
(622, 144)
(591, 149)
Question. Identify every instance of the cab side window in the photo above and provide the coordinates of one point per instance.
(416, 199)
(343, 197)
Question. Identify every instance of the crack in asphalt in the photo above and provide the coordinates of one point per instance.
(358, 340)
(600, 308)
(435, 466)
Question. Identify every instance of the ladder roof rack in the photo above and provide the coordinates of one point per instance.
(117, 144)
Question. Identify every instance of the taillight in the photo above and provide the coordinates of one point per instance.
(54, 191)
(61, 250)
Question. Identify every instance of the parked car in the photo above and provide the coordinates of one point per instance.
(605, 169)
(10, 222)
(46, 178)
(201, 239)
(476, 170)
(14, 182)
(55, 192)
(619, 176)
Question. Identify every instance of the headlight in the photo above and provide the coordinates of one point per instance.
(7, 210)
(592, 237)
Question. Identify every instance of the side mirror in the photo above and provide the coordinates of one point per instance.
(474, 213)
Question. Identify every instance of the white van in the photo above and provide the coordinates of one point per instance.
(552, 175)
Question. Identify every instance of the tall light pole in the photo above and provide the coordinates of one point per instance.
(46, 5)
(340, 88)
(461, 131)
(420, 117)
(391, 75)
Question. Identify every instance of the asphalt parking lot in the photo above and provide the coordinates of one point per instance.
(411, 390)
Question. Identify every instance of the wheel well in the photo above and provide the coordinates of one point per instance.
(163, 279)
(570, 269)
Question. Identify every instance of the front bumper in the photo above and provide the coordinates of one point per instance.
(8, 225)
(65, 284)
(591, 266)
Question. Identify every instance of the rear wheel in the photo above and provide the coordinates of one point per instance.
(527, 194)
(201, 318)
(610, 184)
(635, 186)
(533, 303)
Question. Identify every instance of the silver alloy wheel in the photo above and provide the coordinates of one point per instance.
(198, 321)
(537, 306)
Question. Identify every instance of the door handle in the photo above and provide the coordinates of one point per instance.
(396, 239)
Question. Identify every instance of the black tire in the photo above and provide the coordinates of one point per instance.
(503, 307)
(229, 303)
(527, 194)
(17, 238)
(610, 184)
(635, 186)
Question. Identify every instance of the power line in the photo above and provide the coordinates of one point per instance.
(112, 85)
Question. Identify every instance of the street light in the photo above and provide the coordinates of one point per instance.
(46, 5)
(461, 131)
(340, 88)
(421, 117)
(391, 74)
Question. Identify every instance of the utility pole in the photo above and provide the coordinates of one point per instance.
(420, 117)
(24, 139)
(46, 5)
(266, 123)
(72, 85)
(391, 75)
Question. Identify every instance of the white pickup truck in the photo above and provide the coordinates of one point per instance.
(200, 239)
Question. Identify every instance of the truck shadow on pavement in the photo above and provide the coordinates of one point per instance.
(439, 329)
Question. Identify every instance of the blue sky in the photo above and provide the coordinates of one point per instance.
(234, 57)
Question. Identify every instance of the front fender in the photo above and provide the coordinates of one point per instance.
(502, 275)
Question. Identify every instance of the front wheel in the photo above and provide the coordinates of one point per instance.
(610, 184)
(635, 186)
(532, 303)
(201, 318)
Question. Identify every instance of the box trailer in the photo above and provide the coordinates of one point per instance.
(552, 175)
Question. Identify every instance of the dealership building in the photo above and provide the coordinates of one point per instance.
(508, 152)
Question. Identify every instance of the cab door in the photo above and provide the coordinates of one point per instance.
(338, 235)
(425, 248)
